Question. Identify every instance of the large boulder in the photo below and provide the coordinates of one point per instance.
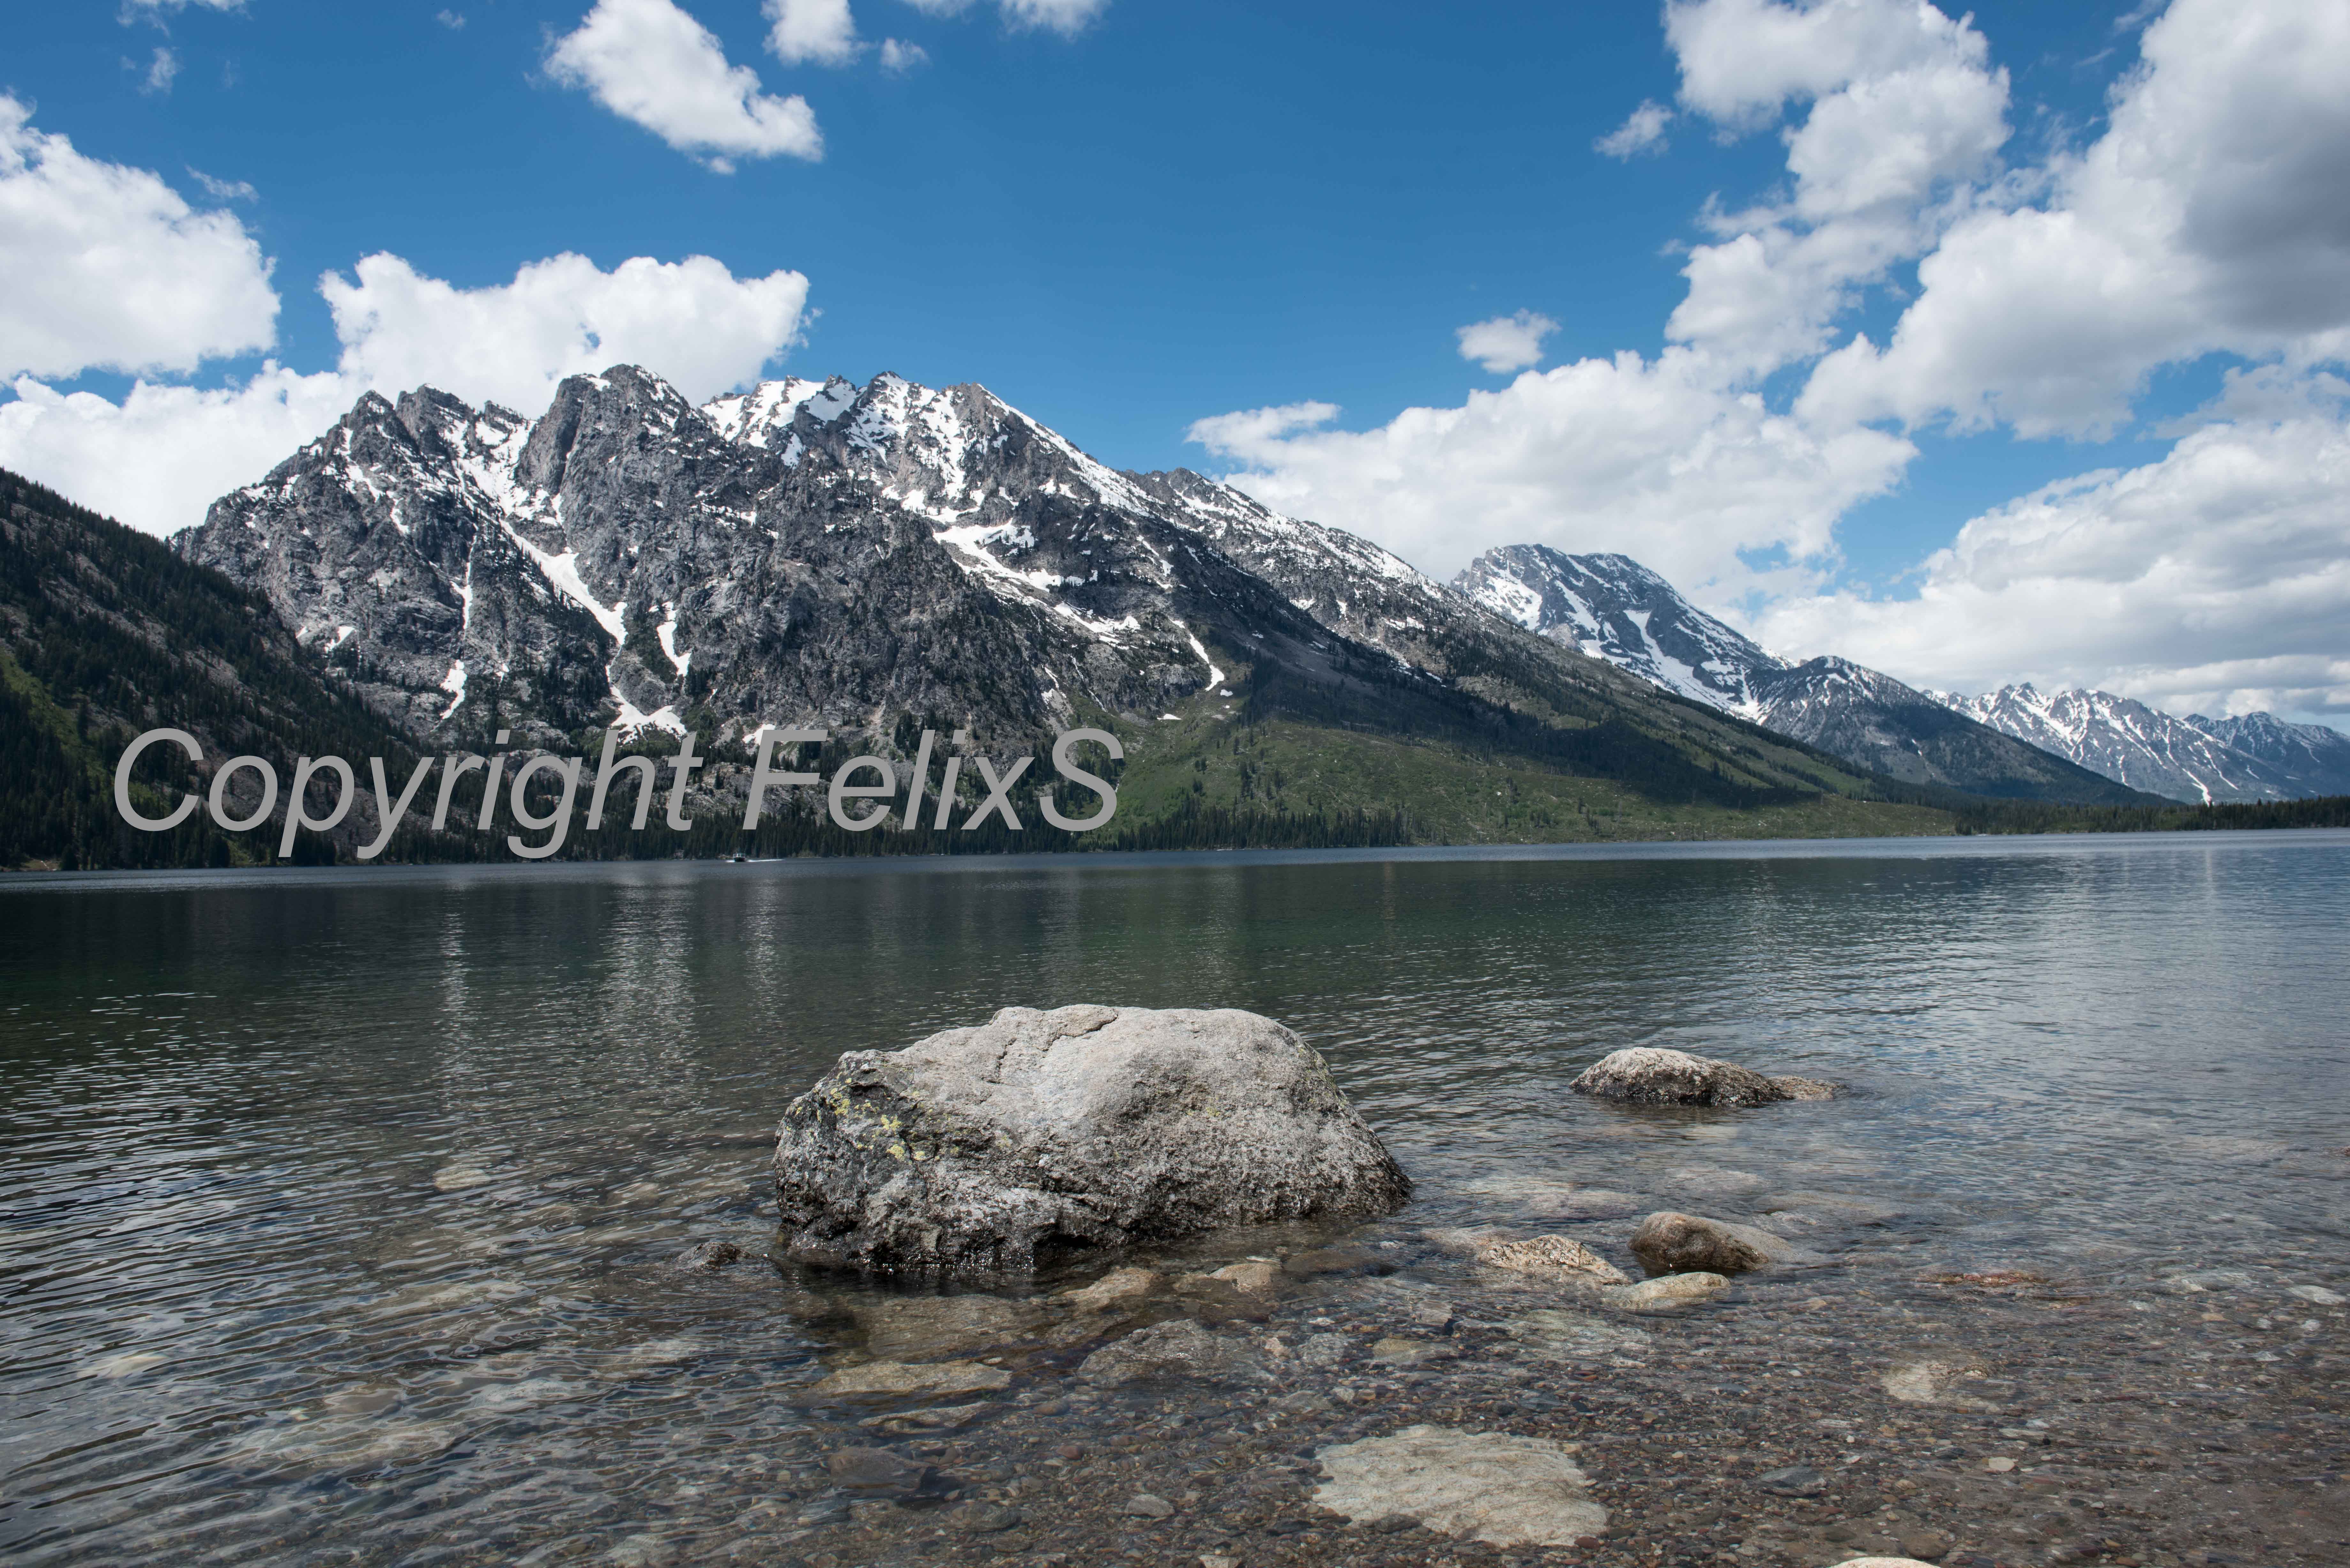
(1651, 1075)
(981, 1151)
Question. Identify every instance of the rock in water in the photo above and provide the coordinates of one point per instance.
(1666, 1291)
(978, 1150)
(1648, 1076)
(1488, 1486)
(1180, 1350)
(1671, 1244)
(1559, 1259)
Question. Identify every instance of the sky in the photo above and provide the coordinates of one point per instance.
(1984, 346)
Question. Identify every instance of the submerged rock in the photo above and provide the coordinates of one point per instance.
(1933, 1382)
(1650, 1076)
(1669, 1242)
(876, 1473)
(1116, 1291)
(1559, 1259)
(875, 1378)
(1574, 1337)
(1177, 1349)
(922, 1328)
(707, 1257)
(977, 1150)
(1668, 1292)
(1493, 1487)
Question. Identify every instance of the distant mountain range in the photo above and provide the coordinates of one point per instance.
(1612, 607)
(890, 558)
(884, 559)
(2258, 756)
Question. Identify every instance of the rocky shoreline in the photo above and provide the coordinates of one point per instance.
(1384, 1395)
(1794, 1422)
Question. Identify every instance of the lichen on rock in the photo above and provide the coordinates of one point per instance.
(982, 1151)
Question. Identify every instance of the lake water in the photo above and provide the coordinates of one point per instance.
(337, 1208)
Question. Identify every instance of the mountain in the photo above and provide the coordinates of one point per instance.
(104, 633)
(1612, 607)
(881, 558)
(2256, 757)
(2315, 758)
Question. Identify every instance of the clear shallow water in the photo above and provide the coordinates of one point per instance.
(336, 1207)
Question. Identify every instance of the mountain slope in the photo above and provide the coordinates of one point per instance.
(1612, 607)
(2315, 759)
(104, 633)
(883, 557)
(2257, 757)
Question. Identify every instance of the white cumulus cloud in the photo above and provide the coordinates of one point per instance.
(1506, 343)
(162, 71)
(1643, 131)
(1650, 457)
(1905, 112)
(692, 322)
(2215, 579)
(2210, 216)
(108, 267)
(897, 56)
(1067, 17)
(650, 62)
(818, 30)
(163, 453)
(1064, 16)
(158, 457)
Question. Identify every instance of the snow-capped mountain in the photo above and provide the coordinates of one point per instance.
(1613, 607)
(860, 555)
(2255, 757)
(2314, 757)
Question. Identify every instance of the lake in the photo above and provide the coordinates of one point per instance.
(338, 1208)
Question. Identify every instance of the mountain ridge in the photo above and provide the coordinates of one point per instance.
(1611, 607)
(866, 557)
(2253, 757)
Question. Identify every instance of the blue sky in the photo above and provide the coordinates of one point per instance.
(1155, 216)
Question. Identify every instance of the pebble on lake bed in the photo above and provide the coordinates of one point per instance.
(1650, 1075)
(1494, 1486)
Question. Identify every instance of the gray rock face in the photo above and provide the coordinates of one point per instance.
(1648, 1076)
(978, 1151)
(1673, 1244)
